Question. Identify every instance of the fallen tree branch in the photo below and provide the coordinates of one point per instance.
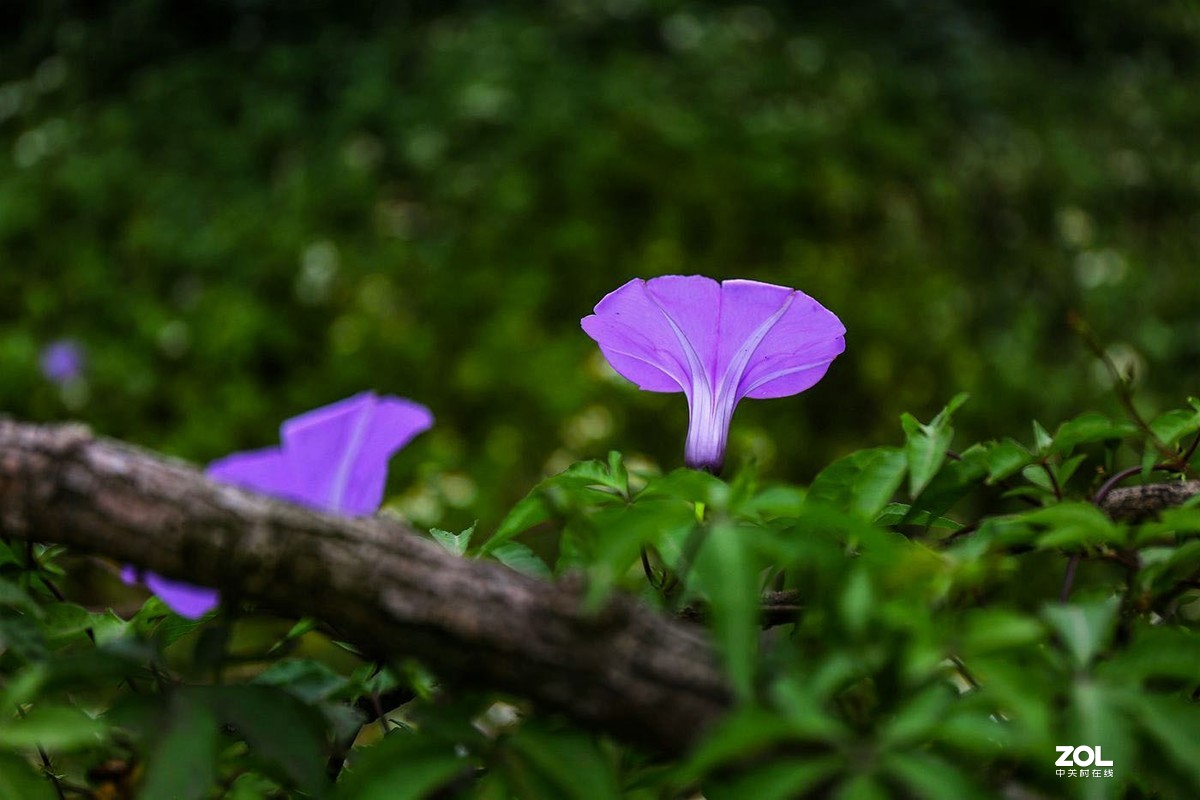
(1135, 503)
(624, 669)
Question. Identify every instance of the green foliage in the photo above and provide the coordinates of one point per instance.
(952, 631)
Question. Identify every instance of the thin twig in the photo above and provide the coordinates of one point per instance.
(1068, 579)
(1123, 388)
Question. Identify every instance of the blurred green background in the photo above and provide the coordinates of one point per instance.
(242, 209)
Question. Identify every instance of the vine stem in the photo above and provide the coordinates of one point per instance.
(1068, 579)
(1123, 388)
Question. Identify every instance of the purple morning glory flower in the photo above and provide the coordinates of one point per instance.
(332, 458)
(62, 361)
(717, 343)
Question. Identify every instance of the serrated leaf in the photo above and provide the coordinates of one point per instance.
(519, 557)
(456, 543)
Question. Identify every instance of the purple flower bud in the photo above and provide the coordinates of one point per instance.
(717, 343)
(62, 361)
(332, 458)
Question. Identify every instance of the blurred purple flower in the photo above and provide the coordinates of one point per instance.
(332, 459)
(717, 343)
(62, 361)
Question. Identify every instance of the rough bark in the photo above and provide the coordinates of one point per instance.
(623, 669)
(1135, 503)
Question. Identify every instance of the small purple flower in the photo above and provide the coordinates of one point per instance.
(717, 343)
(332, 458)
(62, 361)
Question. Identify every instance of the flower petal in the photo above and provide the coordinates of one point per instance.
(653, 333)
(338, 455)
(184, 599)
(333, 458)
(796, 352)
(267, 471)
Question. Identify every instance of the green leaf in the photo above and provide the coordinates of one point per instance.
(455, 543)
(22, 637)
(1174, 425)
(1042, 441)
(775, 501)
(897, 513)
(13, 596)
(309, 681)
(744, 732)
(279, 729)
(726, 572)
(621, 533)
(18, 781)
(1173, 724)
(931, 777)
(404, 766)
(690, 485)
(1156, 652)
(583, 474)
(1089, 428)
(1074, 523)
(183, 759)
(533, 509)
(1084, 628)
(917, 717)
(989, 630)
(857, 601)
(1098, 719)
(249, 786)
(56, 728)
(862, 482)
(926, 445)
(568, 761)
(1001, 459)
(617, 473)
(862, 787)
(774, 780)
(519, 557)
